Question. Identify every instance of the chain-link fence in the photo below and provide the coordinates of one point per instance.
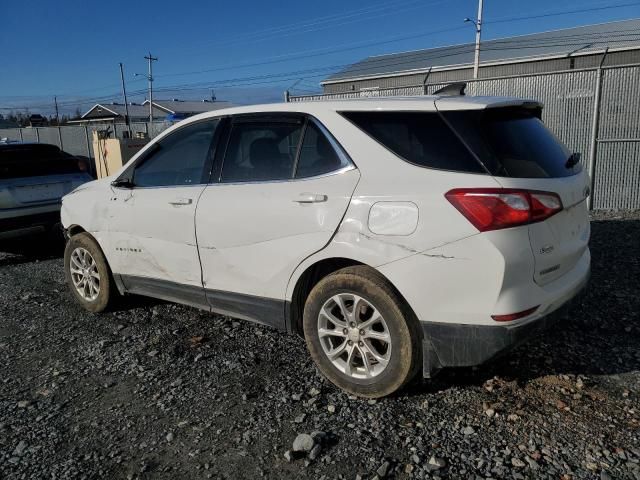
(594, 111)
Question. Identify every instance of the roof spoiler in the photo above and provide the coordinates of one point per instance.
(452, 90)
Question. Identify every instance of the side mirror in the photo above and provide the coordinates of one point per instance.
(122, 183)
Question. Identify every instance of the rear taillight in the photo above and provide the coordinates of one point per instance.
(496, 208)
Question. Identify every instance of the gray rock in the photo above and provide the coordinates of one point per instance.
(303, 443)
(315, 452)
(288, 456)
(532, 463)
(20, 448)
(170, 436)
(516, 462)
(468, 431)
(436, 463)
(383, 469)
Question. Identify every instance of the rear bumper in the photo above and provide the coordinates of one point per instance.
(464, 345)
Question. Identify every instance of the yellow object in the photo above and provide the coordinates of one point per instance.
(111, 153)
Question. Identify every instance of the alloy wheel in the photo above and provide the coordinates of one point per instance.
(354, 336)
(84, 274)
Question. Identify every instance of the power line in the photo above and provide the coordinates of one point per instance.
(317, 72)
(311, 73)
(491, 45)
(567, 12)
(330, 21)
(309, 53)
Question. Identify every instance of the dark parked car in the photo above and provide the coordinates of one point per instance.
(33, 179)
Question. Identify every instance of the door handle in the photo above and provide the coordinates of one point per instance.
(181, 201)
(310, 198)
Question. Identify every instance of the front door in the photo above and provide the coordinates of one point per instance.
(284, 186)
(151, 224)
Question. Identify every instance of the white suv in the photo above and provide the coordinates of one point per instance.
(394, 234)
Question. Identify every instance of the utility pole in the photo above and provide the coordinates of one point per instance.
(152, 59)
(55, 100)
(478, 24)
(126, 104)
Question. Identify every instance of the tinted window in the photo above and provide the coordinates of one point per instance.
(261, 151)
(179, 159)
(26, 160)
(421, 138)
(317, 155)
(513, 142)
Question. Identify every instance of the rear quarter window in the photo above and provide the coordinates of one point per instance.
(420, 138)
(513, 142)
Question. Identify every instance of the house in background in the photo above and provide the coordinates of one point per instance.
(163, 110)
(178, 109)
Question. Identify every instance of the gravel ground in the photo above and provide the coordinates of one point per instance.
(163, 391)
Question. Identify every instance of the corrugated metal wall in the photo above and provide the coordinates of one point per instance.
(569, 99)
(490, 71)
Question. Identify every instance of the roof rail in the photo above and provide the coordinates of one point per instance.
(452, 90)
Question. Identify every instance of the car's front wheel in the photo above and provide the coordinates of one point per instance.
(88, 274)
(360, 333)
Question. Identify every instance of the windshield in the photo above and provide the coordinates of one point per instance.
(513, 142)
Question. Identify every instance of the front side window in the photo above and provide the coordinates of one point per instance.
(181, 158)
(261, 151)
(421, 138)
(317, 155)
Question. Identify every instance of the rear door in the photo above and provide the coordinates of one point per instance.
(281, 190)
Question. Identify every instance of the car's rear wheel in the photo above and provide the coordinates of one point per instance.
(88, 274)
(360, 333)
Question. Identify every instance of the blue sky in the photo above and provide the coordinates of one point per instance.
(251, 50)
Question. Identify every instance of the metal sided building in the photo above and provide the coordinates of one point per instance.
(559, 50)
(587, 77)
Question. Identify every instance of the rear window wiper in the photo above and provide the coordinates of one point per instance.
(573, 159)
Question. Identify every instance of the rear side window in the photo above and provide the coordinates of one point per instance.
(421, 138)
(317, 155)
(261, 151)
(24, 160)
(513, 142)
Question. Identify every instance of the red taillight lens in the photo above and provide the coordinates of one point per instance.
(543, 205)
(514, 316)
(496, 208)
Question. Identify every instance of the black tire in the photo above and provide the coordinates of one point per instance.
(108, 292)
(403, 329)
